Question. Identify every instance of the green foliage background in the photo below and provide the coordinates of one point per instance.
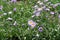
(51, 27)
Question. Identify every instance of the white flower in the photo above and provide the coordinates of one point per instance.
(37, 13)
(24, 38)
(35, 7)
(37, 35)
(9, 18)
(15, 23)
(40, 9)
(47, 9)
(41, 3)
(33, 16)
(38, 1)
(32, 23)
(52, 13)
(4, 13)
(10, 12)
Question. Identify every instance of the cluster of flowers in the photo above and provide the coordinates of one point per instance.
(37, 12)
(10, 12)
(41, 6)
(30, 22)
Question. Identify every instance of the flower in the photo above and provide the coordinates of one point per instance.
(59, 16)
(38, 1)
(4, 13)
(52, 13)
(35, 7)
(46, 9)
(1, 7)
(13, 0)
(10, 12)
(32, 23)
(33, 16)
(14, 9)
(37, 35)
(15, 23)
(40, 9)
(9, 18)
(40, 29)
(36, 13)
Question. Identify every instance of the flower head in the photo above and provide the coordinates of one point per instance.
(59, 16)
(52, 13)
(14, 9)
(32, 23)
(40, 29)
(1, 7)
(10, 12)
(37, 35)
(4, 13)
(10, 19)
(15, 23)
(13, 0)
(36, 13)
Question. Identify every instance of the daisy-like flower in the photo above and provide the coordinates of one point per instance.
(13, 1)
(37, 35)
(33, 16)
(36, 13)
(14, 9)
(41, 3)
(40, 29)
(59, 16)
(52, 12)
(38, 1)
(4, 13)
(46, 9)
(32, 23)
(10, 12)
(10, 19)
(1, 7)
(15, 23)
(39, 9)
(35, 7)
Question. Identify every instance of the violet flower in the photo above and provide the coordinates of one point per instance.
(32, 23)
(59, 16)
(14, 9)
(40, 29)
(13, 1)
(52, 12)
(1, 7)
(36, 13)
